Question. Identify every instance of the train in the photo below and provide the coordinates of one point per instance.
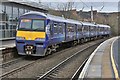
(39, 34)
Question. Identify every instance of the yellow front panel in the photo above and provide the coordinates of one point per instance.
(30, 35)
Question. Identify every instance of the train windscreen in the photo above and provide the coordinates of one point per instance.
(32, 25)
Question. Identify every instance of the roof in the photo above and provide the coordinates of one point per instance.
(54, 18)
(101, 25)
(62, 19)
(35, 12)
(88, 23)
(28, 3)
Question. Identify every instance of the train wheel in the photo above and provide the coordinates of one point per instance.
(48, 51)
(74, 43)
(82, 41)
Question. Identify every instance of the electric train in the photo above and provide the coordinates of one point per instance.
(38, 34)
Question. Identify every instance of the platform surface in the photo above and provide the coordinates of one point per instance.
(116, 53)
(100, 65)
(7, 44)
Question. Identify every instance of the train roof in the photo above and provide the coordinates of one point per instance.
(74, 21)
(102, 25)
(37, 13)
(62, 19)
(88, 23)
(55, 18)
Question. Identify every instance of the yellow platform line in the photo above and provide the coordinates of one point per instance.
(113, 62)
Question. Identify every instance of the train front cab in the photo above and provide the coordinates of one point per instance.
(31, 38)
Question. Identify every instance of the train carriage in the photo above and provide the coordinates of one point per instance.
(39, 34)
(37, 31)
(104, 30)
(89, 30)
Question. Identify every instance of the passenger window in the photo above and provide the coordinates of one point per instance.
(79, 28)
(70, 28)
(55, 28)
(85, 28)
(92, 28)
(60, 29)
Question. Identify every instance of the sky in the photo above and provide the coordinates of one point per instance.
(99, 5)
(109, 5)
(86, 6)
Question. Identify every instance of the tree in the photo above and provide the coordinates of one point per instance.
(66, 8)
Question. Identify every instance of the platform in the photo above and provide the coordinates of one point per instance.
(7, 44)
(116, 53)
(101, 63)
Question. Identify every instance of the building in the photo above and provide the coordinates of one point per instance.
(9, 14)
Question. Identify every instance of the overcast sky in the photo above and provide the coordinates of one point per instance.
(86, 6)
(109, 5)
(80, 0)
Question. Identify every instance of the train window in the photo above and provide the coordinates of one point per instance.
(86, 28)
(79, 28)
(60, 29)
(101, 29)
(70, 28)
(25, 24)
(92, 28)
(97, 29)
(38, 25)
(55, 28)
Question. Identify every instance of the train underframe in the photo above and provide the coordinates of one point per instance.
(54, 48)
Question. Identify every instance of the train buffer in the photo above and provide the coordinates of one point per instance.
(102, 62)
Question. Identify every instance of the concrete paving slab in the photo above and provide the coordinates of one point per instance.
(94, 71)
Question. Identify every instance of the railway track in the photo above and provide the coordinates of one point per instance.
(42, 60)
(78, 71)
(52, 73)
(16, 70)
(11, 62)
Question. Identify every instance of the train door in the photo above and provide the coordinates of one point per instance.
(75, 32)
(65, 31)
(55, 32)
(61, 32)
(89, 31)
(82, 31)
(49, 31)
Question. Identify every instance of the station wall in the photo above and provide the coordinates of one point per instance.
(9, 14)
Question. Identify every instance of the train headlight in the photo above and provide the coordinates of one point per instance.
(20, 38)
(40, 39)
